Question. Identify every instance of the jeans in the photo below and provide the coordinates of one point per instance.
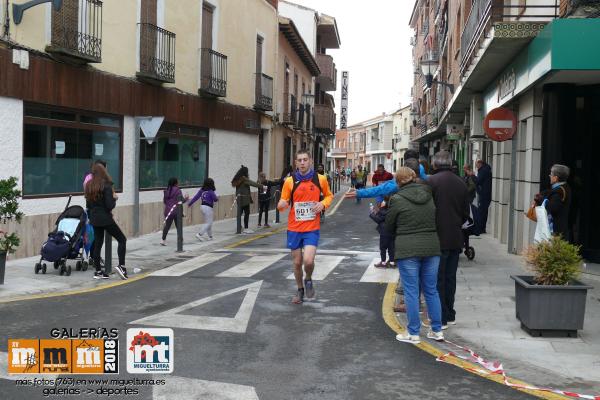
(386, 245)
(115, 232)
(208, 213)
(263, 208)
(169, 221)
(415, 272)
(446, 283)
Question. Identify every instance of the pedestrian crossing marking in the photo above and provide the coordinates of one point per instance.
(251, 266)
(380, 275)
(175, 317)
(190, 265)
(177, 387)
(324, 264)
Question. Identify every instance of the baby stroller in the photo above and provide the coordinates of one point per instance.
(65, 242)
(471, 227)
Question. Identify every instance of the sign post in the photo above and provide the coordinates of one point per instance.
(500, 124)
(344, 102)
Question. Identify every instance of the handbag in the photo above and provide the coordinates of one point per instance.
(542, 228)
(531, 213)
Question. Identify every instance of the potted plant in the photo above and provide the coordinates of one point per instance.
(9, 210)
(552, 301)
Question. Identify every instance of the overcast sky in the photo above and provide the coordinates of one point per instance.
(375, 50)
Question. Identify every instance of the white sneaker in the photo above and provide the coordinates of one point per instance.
(444, 327)
(248, 231)
(408, 338)
(208, 238)
(199, 237)
(452, 322)
(437, 336)
(163, 243)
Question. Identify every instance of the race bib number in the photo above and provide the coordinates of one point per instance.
(303, 211)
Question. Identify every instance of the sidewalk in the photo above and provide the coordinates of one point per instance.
(486, 323)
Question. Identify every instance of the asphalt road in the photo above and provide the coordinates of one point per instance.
(253, 343)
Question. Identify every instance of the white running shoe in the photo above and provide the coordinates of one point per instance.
(444, 327)
(163, 243)
(248, 231)
(199, 237)
(408, 338)
(437, 336)
(208, 238)
(452, 322)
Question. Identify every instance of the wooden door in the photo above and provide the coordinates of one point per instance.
(148, 19)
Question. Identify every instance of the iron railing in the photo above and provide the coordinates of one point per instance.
(157, 53)
(486, 12)
(77, 30)
(213, 73)
(290, 109)
(264, 92)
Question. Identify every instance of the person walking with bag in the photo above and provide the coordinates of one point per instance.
(171, 196)
(100, 201)
(209, 198)
(412, 219)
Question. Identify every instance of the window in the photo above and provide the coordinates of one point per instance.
(59, 145)
(178, 151)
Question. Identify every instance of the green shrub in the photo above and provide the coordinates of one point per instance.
(554, 261)
(9, 210)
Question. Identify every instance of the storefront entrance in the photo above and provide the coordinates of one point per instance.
(571, 136)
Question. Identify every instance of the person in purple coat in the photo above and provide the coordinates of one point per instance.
(209, 198)
(171, 197)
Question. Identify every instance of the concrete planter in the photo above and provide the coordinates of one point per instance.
(2, 266)
(546, 310)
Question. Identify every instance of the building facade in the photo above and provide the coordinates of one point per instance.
(401, 120)
(535, 58)
(155, 89)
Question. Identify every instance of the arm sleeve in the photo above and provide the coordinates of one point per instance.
(286, 190)
(195, 198)
(390, 220)
(328, 196)
(377, 217)
(375, 191)
(554, 204)
(215, 197)
(422, 173)
(374, 180)
(109, 200)
(252, 183)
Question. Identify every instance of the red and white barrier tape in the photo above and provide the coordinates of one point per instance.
(496, 368)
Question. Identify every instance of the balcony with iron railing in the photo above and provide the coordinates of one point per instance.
(328, 78)
(213, 74)
(264, 92)
(301, 118)
(309, 106)
(290, 109)
(76, 33)
(157, 54)
(484, 13)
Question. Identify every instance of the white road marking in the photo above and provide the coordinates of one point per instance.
(13, 377)
(380, 275)
(186, 388)
(174, 318)
(251, 266)
(287, 251)
(323, 266)
(189, 265)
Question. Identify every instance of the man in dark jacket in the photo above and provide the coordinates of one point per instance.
(484, 191)
(451, 211)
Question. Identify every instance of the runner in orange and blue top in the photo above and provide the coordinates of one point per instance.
(301, 192)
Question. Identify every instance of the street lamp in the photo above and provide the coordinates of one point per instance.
(428, 68)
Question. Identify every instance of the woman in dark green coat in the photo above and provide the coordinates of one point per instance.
(242, 183)
(411, 218)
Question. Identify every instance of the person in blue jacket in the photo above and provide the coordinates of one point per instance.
(389, 188)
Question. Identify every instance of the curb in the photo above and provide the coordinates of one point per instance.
(391, 320)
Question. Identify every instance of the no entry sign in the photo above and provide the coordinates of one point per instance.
(500, 124)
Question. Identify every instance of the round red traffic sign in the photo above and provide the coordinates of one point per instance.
(500, 124)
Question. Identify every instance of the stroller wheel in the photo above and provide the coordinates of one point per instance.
(470, 252)
(84, 266)
(68, 270)
(62, 269)
(37, 268)
(44, 268)
(78, 266)
(56, 264)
